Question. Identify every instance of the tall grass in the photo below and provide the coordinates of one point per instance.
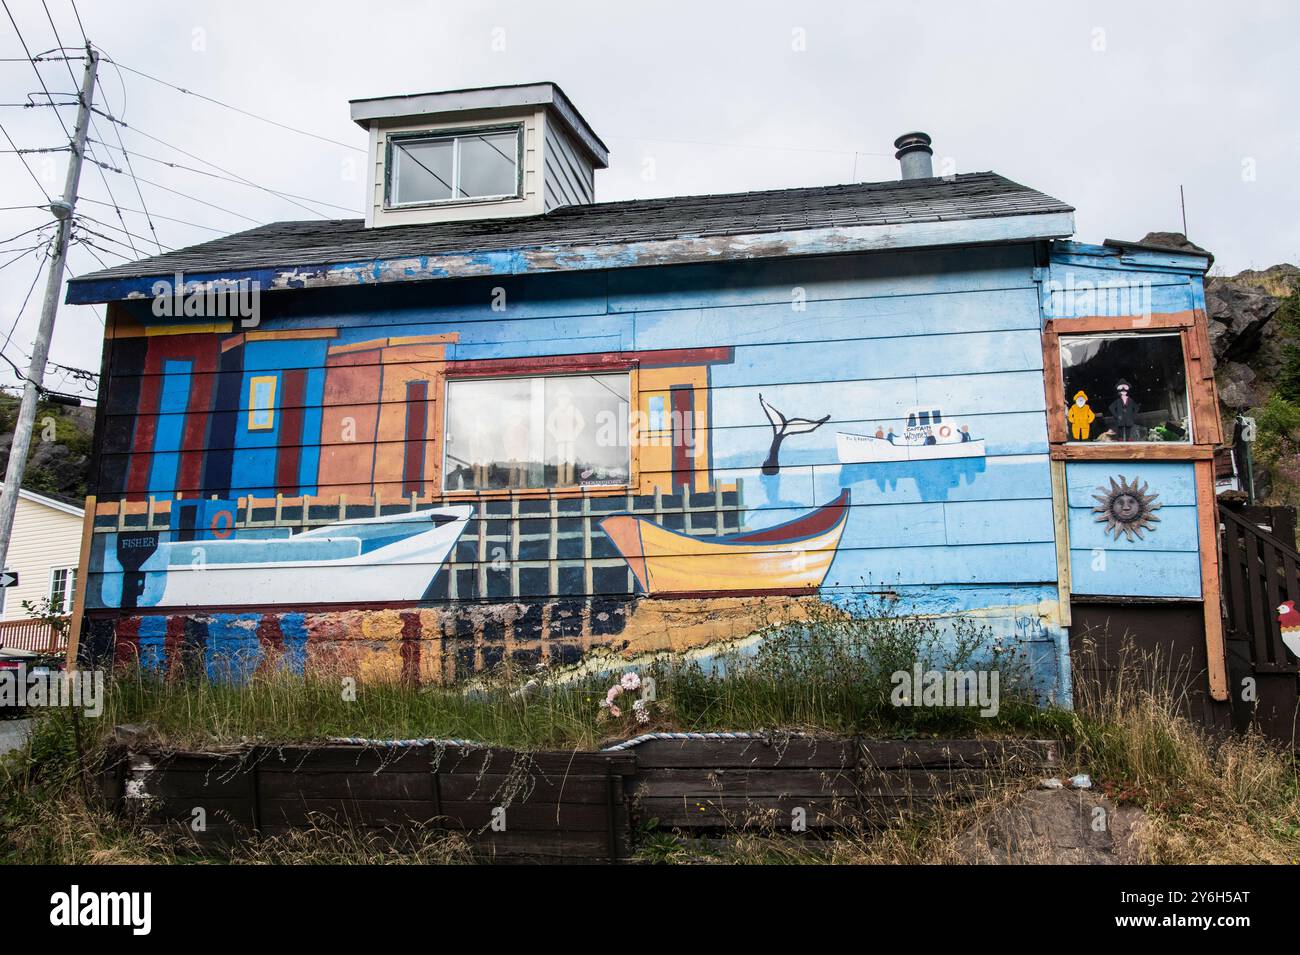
(831, 674)
(1223, 799)
(1206, 798)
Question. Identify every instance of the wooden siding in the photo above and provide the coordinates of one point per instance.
(1165, 562)
(877, 335)
(1095, 290)
(568, 176)
(43, 538)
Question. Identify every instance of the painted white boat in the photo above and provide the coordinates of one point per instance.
(374, 559)
(927, 437)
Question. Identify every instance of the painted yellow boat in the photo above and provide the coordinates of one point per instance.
(790, 558)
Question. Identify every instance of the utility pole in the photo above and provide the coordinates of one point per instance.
(32, 387)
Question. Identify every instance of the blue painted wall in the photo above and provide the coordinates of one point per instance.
(859, 338)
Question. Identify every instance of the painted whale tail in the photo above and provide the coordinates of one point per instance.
(783, 427)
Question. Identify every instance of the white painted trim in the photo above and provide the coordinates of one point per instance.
(50, 502)
(68, 592)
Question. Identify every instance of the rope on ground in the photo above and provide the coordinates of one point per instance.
(647, 737)
(617, 747)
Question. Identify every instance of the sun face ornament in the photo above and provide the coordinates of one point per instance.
(1126, 508)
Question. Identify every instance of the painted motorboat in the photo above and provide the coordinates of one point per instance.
(927, 436)
(388, 558)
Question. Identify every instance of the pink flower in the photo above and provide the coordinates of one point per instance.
(630, 681)
(614, 710)
(613, 693)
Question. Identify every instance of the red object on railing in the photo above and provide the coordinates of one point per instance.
(32, 635)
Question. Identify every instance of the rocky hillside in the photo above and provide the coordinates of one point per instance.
(1255, 333)
(59, 461)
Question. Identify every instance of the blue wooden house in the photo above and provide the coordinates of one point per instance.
(497, 419)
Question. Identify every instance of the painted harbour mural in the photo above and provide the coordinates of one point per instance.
(408, 482)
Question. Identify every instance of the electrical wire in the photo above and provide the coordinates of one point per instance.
(244, 112)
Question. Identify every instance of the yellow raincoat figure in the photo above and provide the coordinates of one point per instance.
(1081, 418)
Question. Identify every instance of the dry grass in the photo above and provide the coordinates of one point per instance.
(1205, 799)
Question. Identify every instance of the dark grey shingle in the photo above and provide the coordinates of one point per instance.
(978, 195)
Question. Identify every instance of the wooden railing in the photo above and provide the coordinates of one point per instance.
(32, 635)
(1261, 572)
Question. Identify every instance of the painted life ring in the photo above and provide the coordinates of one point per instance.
(222, 524)
(945, 431)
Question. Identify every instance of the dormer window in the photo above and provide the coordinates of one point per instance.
(491, 153)
(459, 166)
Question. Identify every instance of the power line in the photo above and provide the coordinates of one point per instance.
(100, 202)
(40, 79)
(43, 225)
(35, 179)
(22, 308)
(232, 177)
(109, 225)
(107, 238)
(104, 96)
(244, 112)
(99, 166)
(198, 200)
(77, 13)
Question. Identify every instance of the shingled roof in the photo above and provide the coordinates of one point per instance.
(325, 244)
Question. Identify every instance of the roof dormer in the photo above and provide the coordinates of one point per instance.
(495, 152)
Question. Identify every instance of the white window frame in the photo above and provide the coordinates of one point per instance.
(455, 136)
(446, 415)
(69, 590)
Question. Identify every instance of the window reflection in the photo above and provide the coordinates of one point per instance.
(569, 431)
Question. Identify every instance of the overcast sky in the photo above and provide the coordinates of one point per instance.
(1108, 106)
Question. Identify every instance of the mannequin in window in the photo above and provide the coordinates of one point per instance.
(1081, 418)
(565, 424)
(1124, 409)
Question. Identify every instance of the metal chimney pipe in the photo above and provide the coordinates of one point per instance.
(913, 155)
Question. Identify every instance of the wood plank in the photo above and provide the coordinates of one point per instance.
(741, 754)
(495, 789)
(1054, 388)
(345, 758)
(1061, 526)
(79, 590)
(474, 761)
(959, 753)
(224, 810)
(1122, 451)
(745, 782)
(1120, 323)
(276, 784)
(1208, 519)
(722, 812)
(167, 783)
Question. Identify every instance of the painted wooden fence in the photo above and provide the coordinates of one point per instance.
(32, 635)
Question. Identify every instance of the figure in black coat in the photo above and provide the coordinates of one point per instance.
(1124, 410)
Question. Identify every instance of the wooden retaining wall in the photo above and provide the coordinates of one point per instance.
(561, 806)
